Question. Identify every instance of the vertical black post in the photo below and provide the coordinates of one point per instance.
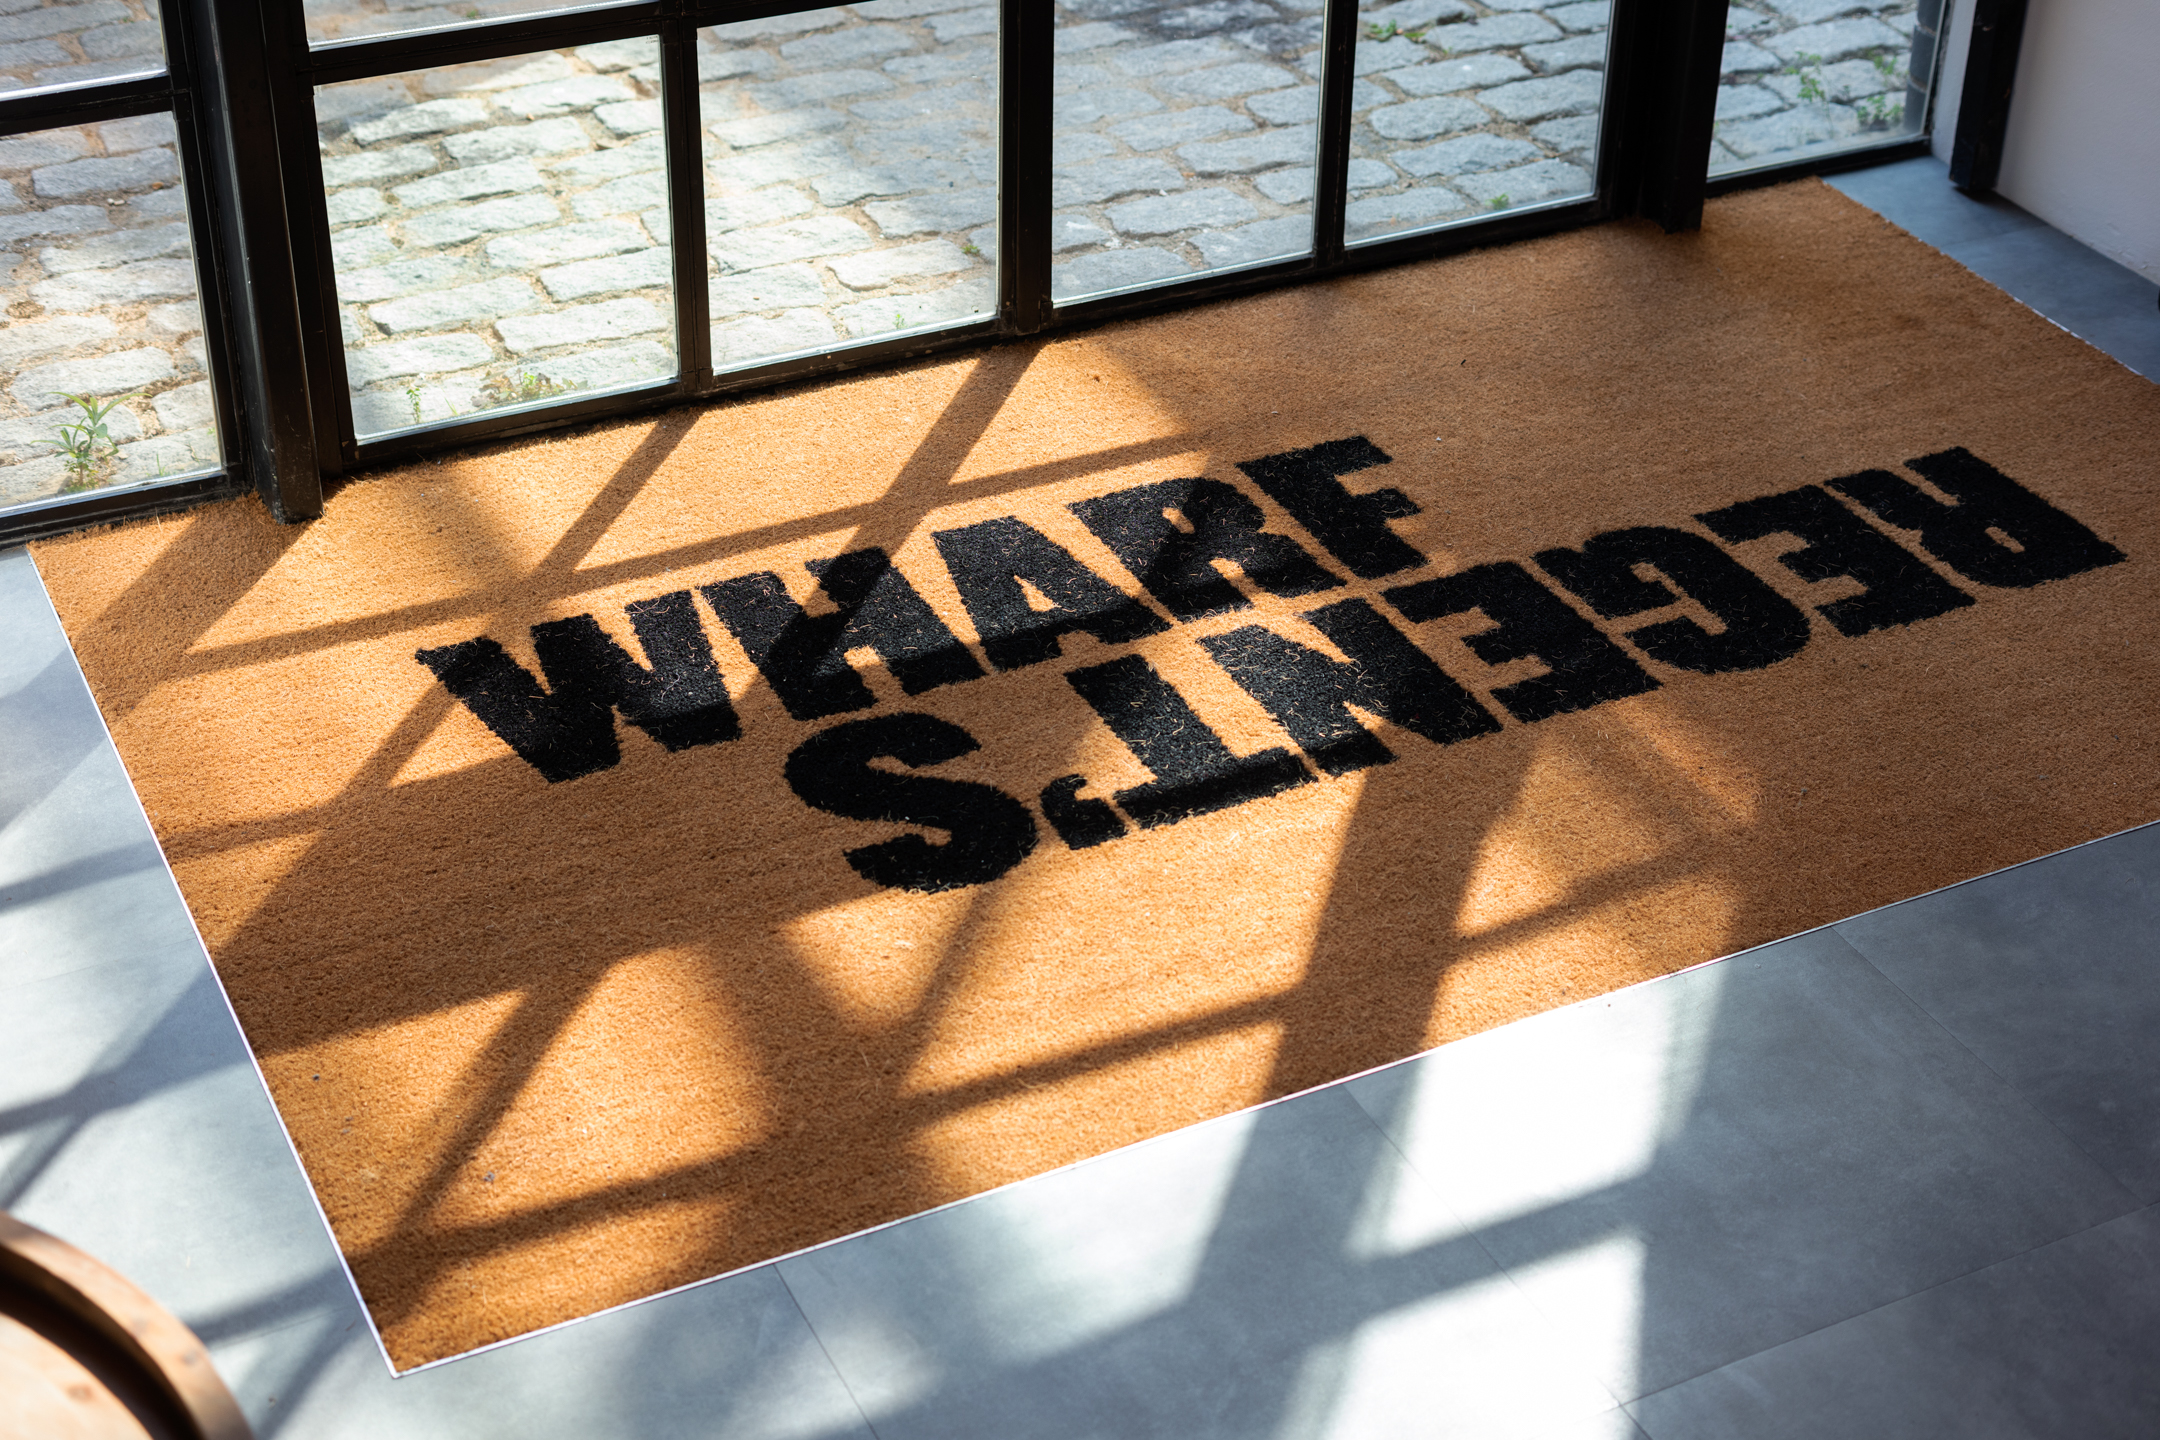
(684, 129)
(213, 277)
(1027, 55)
(322, 334)
(1663, 74)
(1991, 63)
(1331, 180)
(253, 235)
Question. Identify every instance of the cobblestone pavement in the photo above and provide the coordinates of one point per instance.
(100, 301)
(500, 231)
(1804, 76)
(46, 46)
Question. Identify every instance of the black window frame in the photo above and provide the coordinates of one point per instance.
(240, 81)
(178, 91)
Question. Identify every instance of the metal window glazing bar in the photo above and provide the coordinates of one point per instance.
(1027, 55)
(682, 122)
(91, 104)
(85, 106)
(251, 230)
(495, 40)
(1338, 79)
(213, 270)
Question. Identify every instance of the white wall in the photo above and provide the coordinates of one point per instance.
(2083, 152)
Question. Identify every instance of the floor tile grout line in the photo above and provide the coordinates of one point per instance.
(2137, 1203)
(2011, 1085)
(1476, 1235)
(148, 957)
(838, 1373)
(2029, 224)
(1630, 1405)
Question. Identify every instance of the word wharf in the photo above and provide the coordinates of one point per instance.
(1024, 592)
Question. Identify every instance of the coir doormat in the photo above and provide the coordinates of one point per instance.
(637, 854)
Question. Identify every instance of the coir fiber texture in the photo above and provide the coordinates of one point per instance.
(639, 853)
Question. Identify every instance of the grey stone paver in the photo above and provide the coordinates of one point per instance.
(22, 152)
(870, 318)
(877, 269)
(1568, 54)
(1115, 269)
(401, 358)
(1503, 31)
(765, 337)
(1187, 210)
(117, 248)
(1573, 135)
(1448, 77)
(440, 309)
(795, 240)
(580, 240)
(1286, 146)
(474, 182)
(1837, 40)
(778, 287)
(429, 117)
(378, 165)
(581, 324)
(1285, 235)
(1107, 179)
(1423, 119)
(42, 385)
(457, 224)
(1467, 154)
(1160, 132)
(350, 206)
(759, 207)
(402, 277)
(126, 284)
(103, 175)
(1526, 184)
(641, 270)
(1406, 209)
(936, 212)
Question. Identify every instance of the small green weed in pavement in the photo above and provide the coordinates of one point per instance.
(81, 438)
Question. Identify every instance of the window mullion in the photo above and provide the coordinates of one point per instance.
(1026, 60)
(684, 119)
(248, 191)
(1338, 76)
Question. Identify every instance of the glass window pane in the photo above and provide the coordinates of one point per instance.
(1185, 137)
(500, 233)
(1465, 110)
(103, 378)
(329, 21)
(850, 175)
(55, 45)
(1797, 84)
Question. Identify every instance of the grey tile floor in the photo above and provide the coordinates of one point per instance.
(1892, 1178)
(2102, 303)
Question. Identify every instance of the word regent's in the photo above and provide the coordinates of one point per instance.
(1024, 593)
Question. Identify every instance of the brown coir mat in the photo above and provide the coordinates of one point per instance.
(639, 853)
